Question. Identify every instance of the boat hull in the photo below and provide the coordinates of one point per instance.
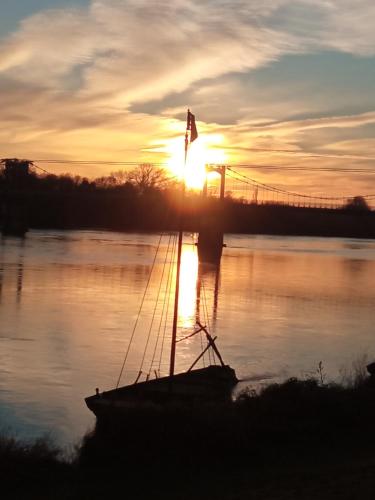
(205, 385)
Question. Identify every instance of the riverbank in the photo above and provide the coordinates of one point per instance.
(300, 439)
(113, 212)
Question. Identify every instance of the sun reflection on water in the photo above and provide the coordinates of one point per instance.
(188, 286)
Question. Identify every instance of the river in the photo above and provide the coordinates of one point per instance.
(69, 301)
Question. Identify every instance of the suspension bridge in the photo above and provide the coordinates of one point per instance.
(237, 184)
(251, 191)
(247, 205)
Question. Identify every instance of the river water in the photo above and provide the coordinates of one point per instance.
(69, 301)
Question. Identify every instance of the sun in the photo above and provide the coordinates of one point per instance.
(204, 150)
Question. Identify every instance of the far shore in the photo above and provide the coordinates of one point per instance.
(125, 204)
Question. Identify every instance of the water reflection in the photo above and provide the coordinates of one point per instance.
(188, 286)
(1, 282)
(68, 302)
(208, 288)
(17, 272)
(199, 292)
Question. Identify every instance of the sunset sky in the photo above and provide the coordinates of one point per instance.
(112, 79)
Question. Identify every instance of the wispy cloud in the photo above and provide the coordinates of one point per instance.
(76, 75)
(288, 127)
(139, 49)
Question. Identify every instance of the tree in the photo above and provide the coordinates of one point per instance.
(120, 177)
(106, 182)
(146, 176)
(357, 203)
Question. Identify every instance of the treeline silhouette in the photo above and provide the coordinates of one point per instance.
(146, 199)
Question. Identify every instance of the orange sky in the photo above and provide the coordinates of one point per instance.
(111, 81)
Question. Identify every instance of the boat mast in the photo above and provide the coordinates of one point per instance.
(175, 311)
(179, 250)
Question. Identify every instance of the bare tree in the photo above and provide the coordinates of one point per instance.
(120, 177)
(146, 176)
(106, 182)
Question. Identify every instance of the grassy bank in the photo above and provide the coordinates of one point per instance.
(299, 439)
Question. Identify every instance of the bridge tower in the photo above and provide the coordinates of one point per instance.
(13, 209)
(211, 238)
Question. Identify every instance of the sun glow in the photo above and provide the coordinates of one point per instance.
(204, 150)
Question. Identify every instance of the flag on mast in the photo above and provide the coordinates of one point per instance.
(190, 125)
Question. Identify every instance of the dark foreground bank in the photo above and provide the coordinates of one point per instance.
(297, 440)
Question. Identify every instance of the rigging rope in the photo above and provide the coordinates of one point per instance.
(164, 302)
(202, 348)
(206, 315)
(153, 315)
(139, 311)
(169, 293)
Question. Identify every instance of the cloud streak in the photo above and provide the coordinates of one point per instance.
(135, 50)
(75, 74)
(138, 49)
